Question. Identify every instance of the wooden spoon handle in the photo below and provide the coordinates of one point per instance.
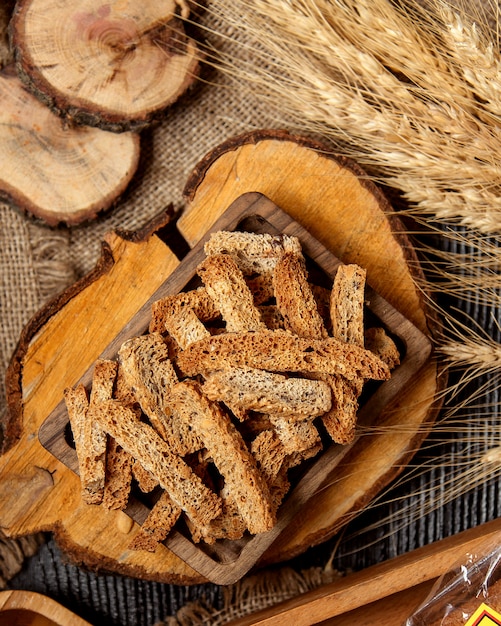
(377, 583)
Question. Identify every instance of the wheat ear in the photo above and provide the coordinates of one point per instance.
(335, 71)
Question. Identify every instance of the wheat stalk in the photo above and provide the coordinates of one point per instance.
(337, 69)
(389, 90)
(479, 468)
(475, 54)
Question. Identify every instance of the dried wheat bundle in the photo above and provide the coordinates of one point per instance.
(408, 90)
(411, 93)
(469, 272)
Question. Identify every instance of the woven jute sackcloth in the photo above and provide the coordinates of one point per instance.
(38, 262)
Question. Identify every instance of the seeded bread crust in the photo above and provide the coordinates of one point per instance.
(341, 421)
(184, 326)
(155, 528)
(280, 351)
(228, 525)
(254, 253)
(90, 466)
(269, 453)
(150, 373)
(226, 285)
(185, 488)
(118, 476)
(347, 304)
(232, 458)
(145, 479)
(198, 300)
(379, 342)
(346, 312)
(295, 299)
(267, 392)
(297, 437)
(90, 440)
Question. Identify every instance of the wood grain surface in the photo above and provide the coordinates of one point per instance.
(333, 199)
(26, 608)
(328, 197)
(382, 595)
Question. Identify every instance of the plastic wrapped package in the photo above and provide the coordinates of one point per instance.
(468, 594)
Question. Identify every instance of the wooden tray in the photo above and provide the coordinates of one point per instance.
(331, 199)
(227, 561)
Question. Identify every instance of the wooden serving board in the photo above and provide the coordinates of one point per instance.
(385, 594)
(349, 217)
(226, 562)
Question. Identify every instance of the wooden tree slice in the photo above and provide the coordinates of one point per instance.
(58, 344)
(55, 171)
(115, 65)
(329, 196)
(6, 9)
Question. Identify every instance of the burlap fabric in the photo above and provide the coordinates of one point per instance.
(37, 262)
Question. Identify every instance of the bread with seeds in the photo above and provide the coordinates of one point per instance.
(184, 326)
(226, 285)
(280, 351)
(90, 440)
(297, 436)
(118, 479)
(254, 253)
(295, 299)
(347, 304)
(90, 462)
(378, 341)
(150, 373)
(230, 454)
(268, 392)
(157, 525)
(198, 300)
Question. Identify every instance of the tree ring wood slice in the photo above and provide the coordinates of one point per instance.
(116, 65)
(57, 172)
(49, 359)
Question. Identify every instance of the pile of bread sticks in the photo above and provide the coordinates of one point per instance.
(236, 382)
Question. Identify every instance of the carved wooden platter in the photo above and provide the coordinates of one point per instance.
(345, 218)
(227, 561)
